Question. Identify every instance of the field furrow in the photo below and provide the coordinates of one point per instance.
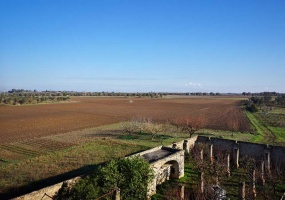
(23, 123)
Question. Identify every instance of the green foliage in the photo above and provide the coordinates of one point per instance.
(252, 108)
(86, 189)
(20, 99)
(131, 175)
(280, 100)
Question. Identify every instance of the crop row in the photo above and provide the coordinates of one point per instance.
(20, 150)
(32, 148)
(48, 144)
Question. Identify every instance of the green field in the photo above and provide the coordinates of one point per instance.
(269, 126)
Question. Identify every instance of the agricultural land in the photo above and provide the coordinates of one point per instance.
(43, 144)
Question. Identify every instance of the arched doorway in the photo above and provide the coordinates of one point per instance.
(169, 170)
(174, 169)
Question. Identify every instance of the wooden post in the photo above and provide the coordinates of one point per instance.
(211, 153)
(241, 193)
(181, 191)
(228, 165)
(201, 154)
(201, 182)
(252, 183)
(267, 161)
(262, 173)
(236, 157)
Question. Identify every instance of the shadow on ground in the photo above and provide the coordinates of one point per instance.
(37, 185)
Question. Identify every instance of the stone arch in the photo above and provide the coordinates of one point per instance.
(168, 170)
(174, 169)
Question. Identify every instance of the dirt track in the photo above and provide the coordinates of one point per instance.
(24, 122)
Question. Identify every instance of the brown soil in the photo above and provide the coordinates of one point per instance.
(18, 123)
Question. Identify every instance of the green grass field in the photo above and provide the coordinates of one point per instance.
(269, 127)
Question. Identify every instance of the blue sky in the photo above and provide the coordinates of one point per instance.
(143, 45)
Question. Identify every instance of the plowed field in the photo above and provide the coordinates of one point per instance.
(18, 123)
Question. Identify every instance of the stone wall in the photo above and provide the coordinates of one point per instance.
(166, 165)
(47, 192)
(190, 143)
(258, 151)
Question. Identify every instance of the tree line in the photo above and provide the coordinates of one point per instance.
(260, 94)
(31, 99)
(23, 92)
(254, 102)
(186, 124)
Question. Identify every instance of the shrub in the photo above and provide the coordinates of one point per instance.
(131, 175)
(252, 108)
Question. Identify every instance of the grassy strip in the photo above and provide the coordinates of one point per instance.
(256, 124)
(262, 135)
(145, 139)
(279, 134)
(228, 135)
(278, 110)
(266, 133)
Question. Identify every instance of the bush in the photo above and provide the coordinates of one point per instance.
(252, 108)
(131, 175)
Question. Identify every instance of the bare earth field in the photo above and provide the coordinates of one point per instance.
(48, 143)
(18, 123)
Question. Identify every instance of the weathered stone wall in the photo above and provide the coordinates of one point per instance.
(165, 166)
(176, 161)
(44, 193)
(277, 153)
(191, 142)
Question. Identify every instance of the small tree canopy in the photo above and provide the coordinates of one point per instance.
(131, 175)
(190, 124)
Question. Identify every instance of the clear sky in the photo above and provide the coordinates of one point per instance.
(143, 45)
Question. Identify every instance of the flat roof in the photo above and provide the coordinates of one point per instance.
(159, 154)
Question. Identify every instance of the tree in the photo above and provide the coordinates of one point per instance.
(131, 175)
(152, 128)
(233, 125)
(191, 124)
(139, 125)
(134, 125)
(177, 122)
(267, 98)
